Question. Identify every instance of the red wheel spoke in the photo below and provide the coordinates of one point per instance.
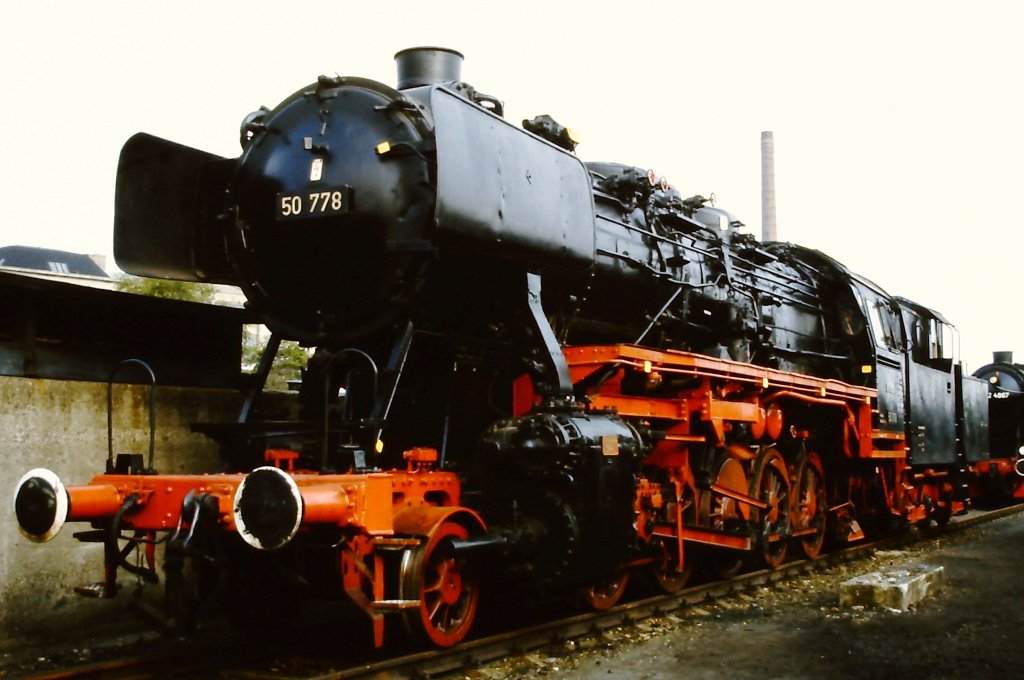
(434, 609)
(432, 587)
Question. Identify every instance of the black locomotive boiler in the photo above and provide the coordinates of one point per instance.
(565, 367)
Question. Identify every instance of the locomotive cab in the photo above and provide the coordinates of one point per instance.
(939, 394)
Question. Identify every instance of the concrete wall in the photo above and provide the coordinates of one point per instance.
(61, 425)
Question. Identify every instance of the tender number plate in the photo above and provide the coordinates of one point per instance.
(314, 203)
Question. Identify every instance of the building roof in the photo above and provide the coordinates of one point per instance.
(54, 329)
(49, 260)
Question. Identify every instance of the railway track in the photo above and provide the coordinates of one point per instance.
(209, 658)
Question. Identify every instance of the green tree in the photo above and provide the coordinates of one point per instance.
(165, 288)
(290, 360)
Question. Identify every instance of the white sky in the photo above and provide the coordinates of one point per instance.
(898, 125)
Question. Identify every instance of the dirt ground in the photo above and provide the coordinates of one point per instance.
(797, 630)
(794, 629)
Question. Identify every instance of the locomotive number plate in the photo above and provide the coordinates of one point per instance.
(314, 203)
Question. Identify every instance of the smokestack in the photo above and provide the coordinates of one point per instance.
(428, 65)
(769, 232)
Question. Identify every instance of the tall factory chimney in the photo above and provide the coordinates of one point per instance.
(768, 229)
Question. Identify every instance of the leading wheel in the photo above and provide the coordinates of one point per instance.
(770, 484)
(447, 590)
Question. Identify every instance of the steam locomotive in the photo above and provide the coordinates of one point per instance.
(564, 368)
(1000, 477)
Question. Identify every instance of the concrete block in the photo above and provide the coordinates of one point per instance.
(895, 587)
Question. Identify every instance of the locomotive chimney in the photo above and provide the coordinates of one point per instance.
(1002, 357)
(768, 229)
(428, 65)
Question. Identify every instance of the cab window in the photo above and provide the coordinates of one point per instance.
(940, 341)
(883, 323)
(933, 343)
